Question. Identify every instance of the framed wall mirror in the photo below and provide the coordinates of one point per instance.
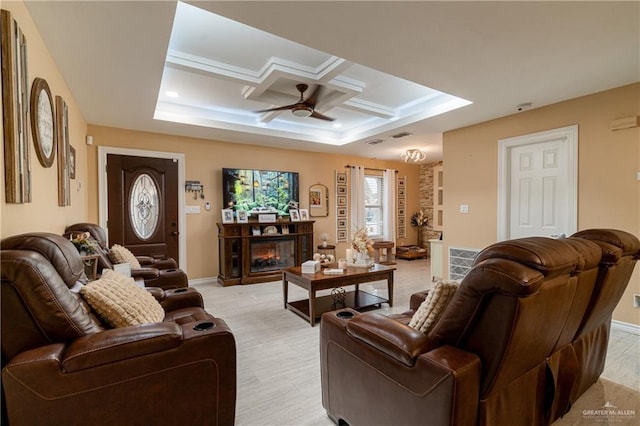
(318, 200)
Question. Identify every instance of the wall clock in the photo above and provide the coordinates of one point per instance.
(42, 121)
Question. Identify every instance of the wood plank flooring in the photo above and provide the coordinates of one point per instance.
(278, 355)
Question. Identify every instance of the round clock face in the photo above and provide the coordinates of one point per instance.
(45, 123)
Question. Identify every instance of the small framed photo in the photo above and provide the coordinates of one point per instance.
(227, 216)
(401, 221)
(342, 190)
(72, 162)
(267, 217)
(285, 229)
(304, 214)
(342, 212)
(342, 223)
(342, 201)
(242, 216)
(255, 230)
(401, 181)
(342, 235)
(341, 178)
(401, 202)
(401, 192)
(295, 216)
(401, 211)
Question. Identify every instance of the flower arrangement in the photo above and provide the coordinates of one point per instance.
(324, 237)
(419, 219)
(361, 242)
(84, 243)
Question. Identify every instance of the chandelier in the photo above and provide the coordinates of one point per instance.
(413, 155)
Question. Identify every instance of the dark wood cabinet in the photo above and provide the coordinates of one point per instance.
(255, 252)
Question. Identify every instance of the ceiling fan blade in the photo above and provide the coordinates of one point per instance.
(282, 108)
(312, 100)
(316, 114)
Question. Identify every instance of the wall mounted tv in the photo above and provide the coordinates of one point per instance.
(259, 191)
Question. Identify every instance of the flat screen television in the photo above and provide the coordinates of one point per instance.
(259, 191)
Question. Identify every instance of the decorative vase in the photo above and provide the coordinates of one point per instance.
(361, 258)
(324, 244)
(420, 236)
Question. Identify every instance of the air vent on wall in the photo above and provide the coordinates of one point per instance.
(400, 135)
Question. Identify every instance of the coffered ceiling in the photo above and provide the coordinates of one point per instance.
(386, 68)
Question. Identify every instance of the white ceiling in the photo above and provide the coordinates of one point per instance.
(497, 55)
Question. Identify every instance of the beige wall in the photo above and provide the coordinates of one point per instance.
(43, 213)
(608, 190)
(204, 162)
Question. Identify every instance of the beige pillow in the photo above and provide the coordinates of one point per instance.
(120, 302)
(119, 254)
(433, 306)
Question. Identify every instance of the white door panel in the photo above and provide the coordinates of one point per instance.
(537, 193)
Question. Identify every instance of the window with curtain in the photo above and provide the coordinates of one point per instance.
(373, 205)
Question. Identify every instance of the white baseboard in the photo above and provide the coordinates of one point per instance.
(626, 327)
(202, 281)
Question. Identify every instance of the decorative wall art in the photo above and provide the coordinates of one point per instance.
(62, 132)
(341, 207)
(15, 107)
(43, 122)
(72, 162)
(400, 209)
(318, 200)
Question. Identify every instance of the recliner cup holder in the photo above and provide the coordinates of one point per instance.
(180, 290)
(169, 270)
(345, 314)
(203, 326)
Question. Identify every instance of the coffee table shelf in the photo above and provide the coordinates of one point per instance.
(358, 300)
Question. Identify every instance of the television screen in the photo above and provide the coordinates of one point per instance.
(259, 191)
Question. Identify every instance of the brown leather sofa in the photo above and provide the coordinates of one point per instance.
(524, 335)
(162, 273)
(62, 365)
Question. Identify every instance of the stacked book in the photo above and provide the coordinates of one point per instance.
(310, 267)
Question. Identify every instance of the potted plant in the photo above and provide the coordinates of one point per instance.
(420, 221)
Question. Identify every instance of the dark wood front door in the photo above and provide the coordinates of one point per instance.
(143, 204)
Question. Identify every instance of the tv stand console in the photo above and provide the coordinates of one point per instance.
(256, 252)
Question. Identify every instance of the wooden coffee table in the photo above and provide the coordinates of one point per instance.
(312, 308)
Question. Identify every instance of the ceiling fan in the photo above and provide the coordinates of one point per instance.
(304, 107)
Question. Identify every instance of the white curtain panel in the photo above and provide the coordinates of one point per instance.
(356, 200)
(389, 204)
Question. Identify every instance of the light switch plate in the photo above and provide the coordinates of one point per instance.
(192, 209)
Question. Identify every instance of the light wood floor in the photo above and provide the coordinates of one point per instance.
(278, 355)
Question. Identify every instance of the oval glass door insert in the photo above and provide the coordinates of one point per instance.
(144, 206)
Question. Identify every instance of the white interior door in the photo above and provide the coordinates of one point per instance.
(538, 189)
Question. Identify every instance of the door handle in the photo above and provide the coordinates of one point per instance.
(174, 233)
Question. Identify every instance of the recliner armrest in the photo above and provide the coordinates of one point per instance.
(145, 260)
(119, 344)
(145, 273)
(395, 339)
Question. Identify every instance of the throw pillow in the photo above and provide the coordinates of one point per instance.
(433, 306)
(120, 302)
(119, 254)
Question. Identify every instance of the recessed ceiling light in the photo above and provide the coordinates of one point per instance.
(172, 94)
(337, 125)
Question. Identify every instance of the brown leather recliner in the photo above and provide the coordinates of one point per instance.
(162, 273)
(487, 359)
(62, 365)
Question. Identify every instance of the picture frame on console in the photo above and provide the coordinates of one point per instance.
(227, 216)
(242, 216)
(294, 215)
(304, 214)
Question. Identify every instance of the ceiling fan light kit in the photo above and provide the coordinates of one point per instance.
(304, 107)
(413, 155)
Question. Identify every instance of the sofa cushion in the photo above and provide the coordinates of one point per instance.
(119, 254)
(433, 306)
(120, 302)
